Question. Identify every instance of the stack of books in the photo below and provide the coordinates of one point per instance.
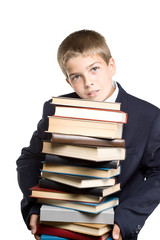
(79, 173)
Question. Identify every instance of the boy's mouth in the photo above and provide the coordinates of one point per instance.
(93, 93)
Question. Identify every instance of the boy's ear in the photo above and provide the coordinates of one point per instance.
(67, 80)
(112, 66)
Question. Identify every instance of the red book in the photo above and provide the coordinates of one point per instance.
(42, 229)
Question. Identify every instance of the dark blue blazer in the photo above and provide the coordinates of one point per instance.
(140, 174)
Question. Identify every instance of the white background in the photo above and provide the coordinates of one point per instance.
(30, 33)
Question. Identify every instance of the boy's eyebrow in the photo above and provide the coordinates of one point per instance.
(93, 64)
(87, 68)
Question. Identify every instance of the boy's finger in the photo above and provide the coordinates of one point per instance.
(116, 232)
(33, 223)
(37, 237)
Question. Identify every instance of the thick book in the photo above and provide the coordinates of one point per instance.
(91, 153)
(106, 203)
(49, 237)
(81, 171)
(52, 158)
(39, 192)
(79, 181)
(64, 101)
(42, 229)
(62, 125)
(96, 191)
(91, 114)
(89, 141)
(93, 229)
(58, 214)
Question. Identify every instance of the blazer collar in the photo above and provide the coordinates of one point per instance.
(122, 98)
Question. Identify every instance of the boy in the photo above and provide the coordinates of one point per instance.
(86, 61)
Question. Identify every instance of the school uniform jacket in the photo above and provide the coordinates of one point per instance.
(140, 171)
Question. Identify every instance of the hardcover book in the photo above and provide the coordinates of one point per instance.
(42, 229)
(94, 208)
(39, 192)
(84, 127)
(94, 191)
(52, 158)
(85, 140)
(79, 181)
(91, 153)
(58, 214)
(93, 229)
(49, 237)
(64, 101)
(91, 114)
(81, 171)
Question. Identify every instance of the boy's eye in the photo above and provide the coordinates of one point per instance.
(76, 77)
(95, 69)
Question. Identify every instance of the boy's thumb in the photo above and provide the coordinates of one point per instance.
(115, 232)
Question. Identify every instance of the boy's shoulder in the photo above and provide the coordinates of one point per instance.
(136, 103)
(141, 105)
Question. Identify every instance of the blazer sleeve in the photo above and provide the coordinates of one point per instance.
(131, 214)
(29, 164)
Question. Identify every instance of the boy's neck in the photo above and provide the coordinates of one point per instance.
(113, 93)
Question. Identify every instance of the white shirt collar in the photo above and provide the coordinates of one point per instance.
(113, 97)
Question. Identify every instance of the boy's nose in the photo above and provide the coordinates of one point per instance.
(88, 82)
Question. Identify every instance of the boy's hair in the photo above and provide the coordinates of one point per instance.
(85, 43)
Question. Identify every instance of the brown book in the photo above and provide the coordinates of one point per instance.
(79, 181)
(94, 229)
(85, 128)
(84, 140)
(83, 152)
(85, 103)
(81, 171)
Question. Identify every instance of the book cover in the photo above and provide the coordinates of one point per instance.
(83, 152)
(42, 229)
(85, 103)
(81, 171)
(79, 181)
(107, 130)
(85, 140)
(52, 158)
(96, 191)
(58, 214)
(106, 203)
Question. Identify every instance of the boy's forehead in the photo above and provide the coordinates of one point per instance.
(83, 62)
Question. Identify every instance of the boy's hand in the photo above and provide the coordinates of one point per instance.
(116, 232)
(33, 226)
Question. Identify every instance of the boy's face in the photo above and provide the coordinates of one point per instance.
(91, 77)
